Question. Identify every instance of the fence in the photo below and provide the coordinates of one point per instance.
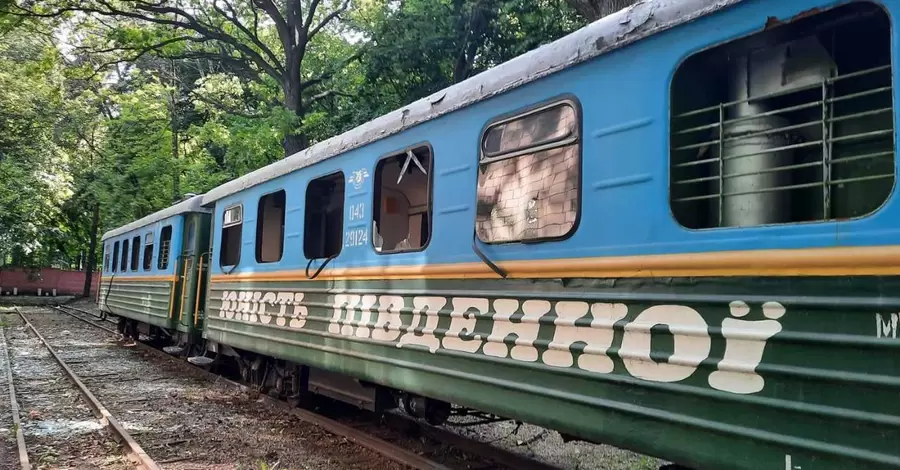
(44, 281)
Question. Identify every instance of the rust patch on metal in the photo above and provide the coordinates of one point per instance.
(772, 22)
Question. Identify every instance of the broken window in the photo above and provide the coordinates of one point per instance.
(165, 247)
(792, 124)
(115, 257)
(148, 251)
(270, 227)
(529, 174)
(324, 221)
(232, 223)
(402, 206)
(124, 255)
(135, 252)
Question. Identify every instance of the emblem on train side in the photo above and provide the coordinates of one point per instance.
(566, 334)
(358, 177)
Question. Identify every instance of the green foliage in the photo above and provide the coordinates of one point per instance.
(125, 110)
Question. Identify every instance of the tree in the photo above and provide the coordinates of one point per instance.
(422, 46)
(593, 10)
(31, 189)
(264, 39)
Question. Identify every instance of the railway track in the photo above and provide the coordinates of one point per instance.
(173, 416)
(60, 428)
(490, 456)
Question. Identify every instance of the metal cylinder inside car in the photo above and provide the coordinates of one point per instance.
(751, 182)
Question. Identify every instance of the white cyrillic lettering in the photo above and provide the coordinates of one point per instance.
(597, 338)
(691, 338)
(421, 308)
(368, 301)
(284, 299)
(886, 329)
(243, 308)
(461, 335)
(298, 318)
(387, 326)
(344, 305)
(526, 330)
(267, 300)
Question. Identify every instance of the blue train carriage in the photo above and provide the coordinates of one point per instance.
(152, 268)
(673, 231)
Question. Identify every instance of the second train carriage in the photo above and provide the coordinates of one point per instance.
(152, 269)
(673, 231)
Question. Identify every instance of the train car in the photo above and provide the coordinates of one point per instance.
(151, 270)
(673, 231)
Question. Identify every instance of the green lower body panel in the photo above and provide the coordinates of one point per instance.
(712, 374)
(145, 301)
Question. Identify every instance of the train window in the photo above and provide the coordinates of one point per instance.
(324, 222)
(124, 265)
(402, 204)
(529, 173)
(792, 124)
(135, 252)
(189, 244)
(270, 227)
(233, 221)
(165, 247)
(115, 257)
(148, 251)
(106, 258)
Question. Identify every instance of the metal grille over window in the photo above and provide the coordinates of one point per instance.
(793, 124)
(165, 247)
(529, 176)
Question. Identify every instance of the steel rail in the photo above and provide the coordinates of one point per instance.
(391, 451)
(14, 406)
(135, 452)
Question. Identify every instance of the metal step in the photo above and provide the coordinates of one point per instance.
(174, 350)
(200, 360)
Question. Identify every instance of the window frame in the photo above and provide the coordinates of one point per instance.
(259, 226)
(107, 254)
(341, 247)
(222, 238)
(136, 253)
(146, 264)
(126, 250)
(159, 257)
(115, 257)
(550, 103)
(730, 42)
(429, 190)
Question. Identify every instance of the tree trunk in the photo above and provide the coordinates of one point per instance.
(294, 141)
(593, 10)
(92, 252)
(176, 177)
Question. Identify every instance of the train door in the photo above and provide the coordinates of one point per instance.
(194, 265)
(186, 275)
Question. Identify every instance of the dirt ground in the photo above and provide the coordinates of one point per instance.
(184, 422)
